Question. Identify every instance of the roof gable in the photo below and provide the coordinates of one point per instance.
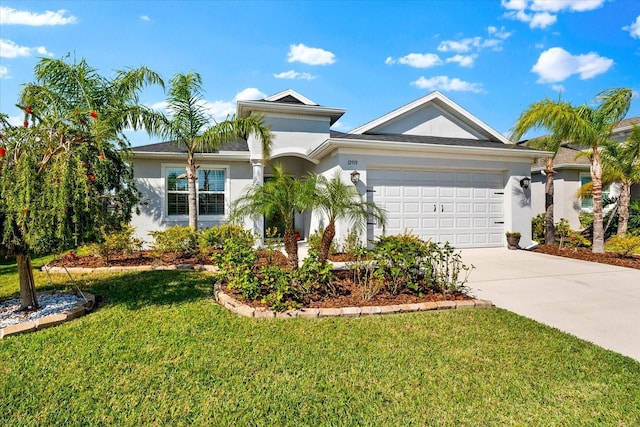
(432, 115)
(290, 96)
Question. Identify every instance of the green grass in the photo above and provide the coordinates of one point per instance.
(160, 352)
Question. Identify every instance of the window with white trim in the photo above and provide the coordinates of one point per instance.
(210, 192)
(586, 203)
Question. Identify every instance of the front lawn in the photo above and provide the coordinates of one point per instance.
(158, 351)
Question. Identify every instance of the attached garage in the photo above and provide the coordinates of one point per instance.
(464, 208)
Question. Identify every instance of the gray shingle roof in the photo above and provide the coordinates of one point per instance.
(420, 139)
(172, 147)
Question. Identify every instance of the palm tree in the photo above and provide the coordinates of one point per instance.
(65, 173)
(587, 126)
(620, 164)
(337, 200)
(553, 144)
(281, 197)
(188, 124)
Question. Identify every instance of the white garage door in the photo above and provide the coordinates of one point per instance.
(463, 208)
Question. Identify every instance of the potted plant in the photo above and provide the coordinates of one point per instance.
(513, 239)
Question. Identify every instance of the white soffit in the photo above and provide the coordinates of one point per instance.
(441, 101)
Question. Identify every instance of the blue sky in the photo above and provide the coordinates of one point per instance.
(492, 57)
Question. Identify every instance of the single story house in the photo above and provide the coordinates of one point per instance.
(439, 171)
(571, 173)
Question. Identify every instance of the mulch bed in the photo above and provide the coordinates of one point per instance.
(71, 259)
(586, 255)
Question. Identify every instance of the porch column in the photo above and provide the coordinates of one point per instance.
(258, 180)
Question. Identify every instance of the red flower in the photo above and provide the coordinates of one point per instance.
(92, 177)
(3, 152)
(26, 211)
(28, 110)
(93, 114)
(25, 124)
(101, 156)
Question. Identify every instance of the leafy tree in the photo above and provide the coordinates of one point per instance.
(188, 124)
(280, 197)
(553, 144)
(337, 200)
(64, 174)
(587, 126)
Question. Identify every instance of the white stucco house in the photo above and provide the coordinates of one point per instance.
(572, 171)
(439, 171)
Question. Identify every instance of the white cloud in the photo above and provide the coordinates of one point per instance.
(219, 109)
(634, 28)
(542, 12)
(542, 20)
(9, 49)
(463, 60)
(556, 64)
(557, 88)
(570, 5)
(4, 72)
(250, 93)
(145, 18)
(294, 75)
(500, 33)
(446, 84)
(460, 46)
(417, 60)
(310, 55)
(9, 16)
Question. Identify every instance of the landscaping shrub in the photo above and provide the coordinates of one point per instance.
(177, 240)
(117, 242)
(314, 276)
(537, 228)
(625, 246)
(216, 237)
(447, 269)
(236, 266)
(352, 243)
(314, 241)
(570, 238)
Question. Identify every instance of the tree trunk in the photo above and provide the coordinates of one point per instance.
(549, 228)
(598, 220)
(623, 208)
(192, 175)
(28, 299)
(291, 247)
(327, 238)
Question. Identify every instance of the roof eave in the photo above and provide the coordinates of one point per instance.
(222, 155)
(246, 107)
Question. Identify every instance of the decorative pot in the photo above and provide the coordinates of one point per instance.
(513, 242)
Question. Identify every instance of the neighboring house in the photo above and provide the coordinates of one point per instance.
(571, 173)
(439, 171)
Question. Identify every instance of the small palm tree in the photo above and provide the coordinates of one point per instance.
(553, 144)
(338, 200)
(188, 124)
(587, 126)
(281, 197)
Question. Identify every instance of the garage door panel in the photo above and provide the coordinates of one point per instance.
(468, 205)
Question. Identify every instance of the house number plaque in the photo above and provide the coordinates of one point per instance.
(352, 162)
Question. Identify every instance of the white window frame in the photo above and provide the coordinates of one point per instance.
(165, 199)
(606, 191)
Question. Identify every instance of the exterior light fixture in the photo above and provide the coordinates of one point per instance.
(525, 182)
(355, 177)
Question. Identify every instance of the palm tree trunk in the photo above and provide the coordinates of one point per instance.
(28, 299)
(549, 229)
(327, 238)
(291, 247)
(193, 201)
(598, 220)
(623, 208)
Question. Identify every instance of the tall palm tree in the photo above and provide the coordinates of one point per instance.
(188, 124)
(338, 200)
(64, 173)
(620, 165)
(548, 143)
(281, 197)
(587, 126)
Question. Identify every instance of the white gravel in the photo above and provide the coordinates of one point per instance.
(49, 304)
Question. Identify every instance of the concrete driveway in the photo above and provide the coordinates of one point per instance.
(596, 302)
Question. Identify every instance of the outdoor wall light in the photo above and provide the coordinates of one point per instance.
(525, 182)
(355, 177)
